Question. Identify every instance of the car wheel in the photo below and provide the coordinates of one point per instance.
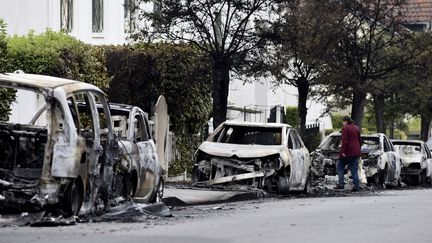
(307, 188)
(73, 198)
(383, 178)
(422, 180)
(158, 195)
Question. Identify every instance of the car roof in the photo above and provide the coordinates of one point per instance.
(256, 124)
(362, 135)
(43, 82)
(406, 141)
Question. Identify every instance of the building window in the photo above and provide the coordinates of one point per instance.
(66, 15)
(97, 16)
(130, 9)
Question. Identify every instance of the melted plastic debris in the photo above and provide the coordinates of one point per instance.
(55, 221)
(135, 212)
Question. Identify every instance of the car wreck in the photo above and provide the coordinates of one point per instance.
(379, 160)
(66, 156)
(138, 156)
(416, 160)
(267, 156)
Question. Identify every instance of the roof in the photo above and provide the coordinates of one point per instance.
(255, 124)
(362, 135)
(35, 81)
(407, 141)
(417, 11)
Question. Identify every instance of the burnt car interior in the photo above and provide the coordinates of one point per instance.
(249, 135)
(370, 144)
(22, 149)
(409, 149)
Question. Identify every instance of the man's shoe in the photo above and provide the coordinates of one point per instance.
(338, 187)
(355, 190)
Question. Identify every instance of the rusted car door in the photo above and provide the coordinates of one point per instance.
(298, 159)
(146, 151)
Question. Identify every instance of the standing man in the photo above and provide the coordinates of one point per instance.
(350, 153)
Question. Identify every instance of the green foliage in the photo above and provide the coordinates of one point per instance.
(291, 116)
(57, 54)
(329, 131)
(7, 96)
(414, 124)
(185, 145)
(337, 121)
(179, 72)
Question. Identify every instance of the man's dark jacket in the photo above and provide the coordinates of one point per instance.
(351, 141)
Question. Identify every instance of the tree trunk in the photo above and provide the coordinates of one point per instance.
(358, 106)
(392, 129)
(221, 81)
(425, 126)
(303, 92)
(379, 107)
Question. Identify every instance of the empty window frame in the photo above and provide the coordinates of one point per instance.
(66, 15)
(97, 16)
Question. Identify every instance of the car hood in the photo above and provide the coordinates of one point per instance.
(241, 150)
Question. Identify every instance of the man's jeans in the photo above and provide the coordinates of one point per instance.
(352, 162)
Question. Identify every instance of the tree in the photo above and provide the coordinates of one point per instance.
(367, 52)
(302, 40)
(224, 29)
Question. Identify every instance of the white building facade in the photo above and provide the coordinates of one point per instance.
(91, 21)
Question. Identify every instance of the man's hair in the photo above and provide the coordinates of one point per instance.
(347, 119)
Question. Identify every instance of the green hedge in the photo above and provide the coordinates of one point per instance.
(57, 54)
(6, 96)
(179, 72)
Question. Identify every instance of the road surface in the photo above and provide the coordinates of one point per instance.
(388, 216)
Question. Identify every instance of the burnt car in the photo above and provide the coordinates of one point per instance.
(416, 160)
(57, 153)
(381, 163)
(138, 157)
(268, 156)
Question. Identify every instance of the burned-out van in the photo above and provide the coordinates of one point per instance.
(54, 152)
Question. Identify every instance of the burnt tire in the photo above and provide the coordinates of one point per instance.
(158, 194)
(307, 188)
(73, 198)
(382, 179)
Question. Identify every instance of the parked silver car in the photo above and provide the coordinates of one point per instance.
(270, 156)
(416, 160)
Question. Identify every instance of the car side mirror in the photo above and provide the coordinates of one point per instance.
(417, 149)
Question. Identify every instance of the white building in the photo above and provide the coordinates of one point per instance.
(258, 97)
(91, 21)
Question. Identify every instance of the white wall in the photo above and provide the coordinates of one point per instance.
(26, 106)
(39, 15)
(263, 95)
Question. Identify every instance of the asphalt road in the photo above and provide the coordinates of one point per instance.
(390, 216)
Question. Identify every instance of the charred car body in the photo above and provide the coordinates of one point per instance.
(381, 163)
(269, 156)
(138, 157)
(65, 155)
(416, 160)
